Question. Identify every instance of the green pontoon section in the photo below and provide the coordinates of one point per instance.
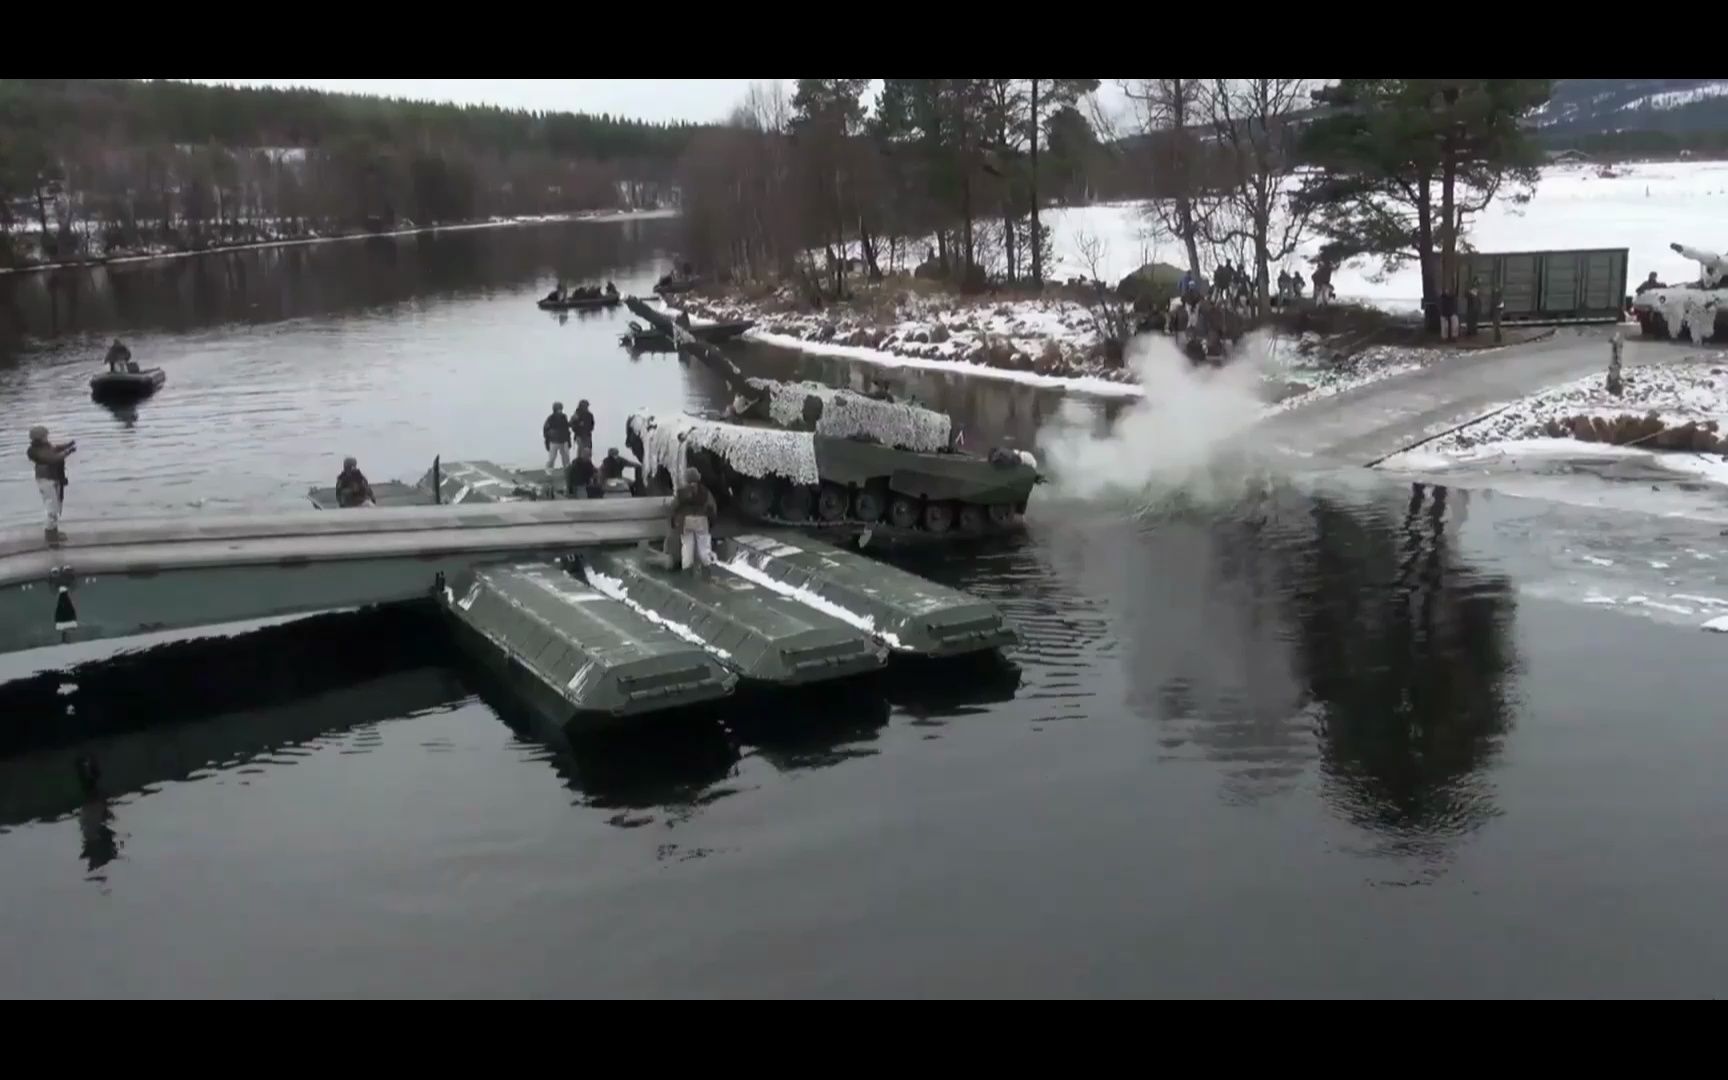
(588, 656)
(759, 633)
(906, 612)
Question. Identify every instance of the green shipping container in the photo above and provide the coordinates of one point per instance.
(1543, 287)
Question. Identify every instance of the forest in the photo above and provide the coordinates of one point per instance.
(99, 167)
(814, 184)
(947, 177)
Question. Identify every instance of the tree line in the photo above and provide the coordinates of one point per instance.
(962, 164)
(105, 166)
(949, 176)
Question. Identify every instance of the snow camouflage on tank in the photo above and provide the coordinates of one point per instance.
(1695, 312)
(812, 455)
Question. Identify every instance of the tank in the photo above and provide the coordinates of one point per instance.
(1695, 312)
(810, 455)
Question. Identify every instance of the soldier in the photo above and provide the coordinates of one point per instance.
(583, 426)
(352, 488)
(556, 433)
(692, 510)
(582, 477)
(49, 460)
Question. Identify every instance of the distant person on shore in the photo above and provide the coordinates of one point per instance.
(50, 462)
(1472, 307)
(556, 295)
(352, 488)
(583, 425)
(119, 357)
(582, 478)
(1283, 287)
(1224, 279)
(556, 433)
(1323, 284)
(693, 510)
(1448, 317)
(1296, 286)
(611, 291)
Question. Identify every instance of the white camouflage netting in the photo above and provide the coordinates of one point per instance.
(1690, 307)
(846, 414)
(753, 451)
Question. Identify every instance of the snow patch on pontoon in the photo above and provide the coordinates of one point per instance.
(740, 565)
(753, 451)
(614, 587)
(846, 414)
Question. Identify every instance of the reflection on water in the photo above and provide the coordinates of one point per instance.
(317, 281)
(1408, 650)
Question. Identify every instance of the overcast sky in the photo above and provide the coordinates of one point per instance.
(644, 99)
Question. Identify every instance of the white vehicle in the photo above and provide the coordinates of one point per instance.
(1696, 311)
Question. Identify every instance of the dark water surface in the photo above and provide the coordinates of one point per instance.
(1311, 736)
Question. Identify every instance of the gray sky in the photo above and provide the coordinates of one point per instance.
(644, 99)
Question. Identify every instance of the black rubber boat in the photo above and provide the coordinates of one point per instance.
(577, 303)
(126, 385)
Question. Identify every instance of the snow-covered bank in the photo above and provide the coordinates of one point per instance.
(1038, 341)
(1665, 417)
(160, 252)
(1643, 207)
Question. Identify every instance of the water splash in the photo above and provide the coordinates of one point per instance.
(1177, 438)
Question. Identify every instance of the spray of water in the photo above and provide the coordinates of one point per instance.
(1185, 437)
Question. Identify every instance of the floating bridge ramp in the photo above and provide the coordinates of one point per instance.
(136, 576)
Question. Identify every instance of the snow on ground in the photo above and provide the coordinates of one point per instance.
(1676, 393)
(1516, 438)
(1644, 207)
(1044, 342)
(1298, 362)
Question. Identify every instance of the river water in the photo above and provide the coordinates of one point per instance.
(1297, 734)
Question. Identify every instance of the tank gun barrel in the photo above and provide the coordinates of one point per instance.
(1715, 266)
(693, 346)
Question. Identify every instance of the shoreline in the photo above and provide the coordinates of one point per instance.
(597, 216)
(1079, 384)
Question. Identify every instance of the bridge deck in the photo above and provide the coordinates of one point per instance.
(145, 545)
(133, 576)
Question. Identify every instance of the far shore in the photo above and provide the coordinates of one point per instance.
(491, 223)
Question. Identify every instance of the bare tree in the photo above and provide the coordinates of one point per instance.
(1169, 114)
(1251, 119)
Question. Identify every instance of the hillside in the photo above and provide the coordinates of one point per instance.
(1599, 107)
(104, 167)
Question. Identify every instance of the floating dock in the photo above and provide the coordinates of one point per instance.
(562, 596)
(578, 656)
(901, 610)
(142, 575)
(761, 634)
